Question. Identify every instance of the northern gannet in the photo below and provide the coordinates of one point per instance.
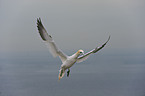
(67, 61)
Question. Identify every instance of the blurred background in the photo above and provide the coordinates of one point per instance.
(28, 69)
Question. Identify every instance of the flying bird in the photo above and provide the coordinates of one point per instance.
(67, 61)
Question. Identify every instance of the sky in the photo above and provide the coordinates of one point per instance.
(73, 24)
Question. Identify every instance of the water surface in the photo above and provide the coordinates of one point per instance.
(104, 74)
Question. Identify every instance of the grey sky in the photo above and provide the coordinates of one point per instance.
(74, 24)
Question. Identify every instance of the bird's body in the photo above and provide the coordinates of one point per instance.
(71, 59)
(67, 61)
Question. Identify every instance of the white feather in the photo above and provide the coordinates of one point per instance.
(67, 61)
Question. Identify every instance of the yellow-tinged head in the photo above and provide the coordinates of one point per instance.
(80, 52)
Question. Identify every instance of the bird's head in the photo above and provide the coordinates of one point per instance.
(80, 52)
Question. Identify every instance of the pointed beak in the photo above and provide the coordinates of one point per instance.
(83, 53)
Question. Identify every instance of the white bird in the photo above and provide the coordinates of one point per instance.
(67, 61)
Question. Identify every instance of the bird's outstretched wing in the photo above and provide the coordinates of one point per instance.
(54, 50)
(85, 56)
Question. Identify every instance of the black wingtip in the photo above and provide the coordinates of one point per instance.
(40, 28)
(98, 48)
(38, 18)
(109, 38)
(39, 21)
(106, 41)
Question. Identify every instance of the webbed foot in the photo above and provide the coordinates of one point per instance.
(68, 72)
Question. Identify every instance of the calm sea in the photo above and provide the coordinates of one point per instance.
(103, 74)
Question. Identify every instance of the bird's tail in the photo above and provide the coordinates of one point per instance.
(61, 73)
